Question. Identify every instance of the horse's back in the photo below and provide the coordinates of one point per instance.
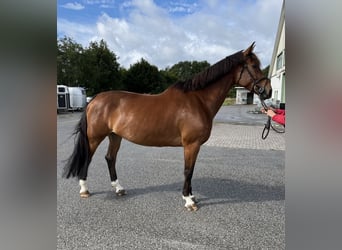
(144, 119)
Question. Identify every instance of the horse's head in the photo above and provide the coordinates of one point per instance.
(250, 76)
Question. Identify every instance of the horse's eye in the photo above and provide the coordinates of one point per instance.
(255, 66)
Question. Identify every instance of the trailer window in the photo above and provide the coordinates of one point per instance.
(83, 92)
(61, 89)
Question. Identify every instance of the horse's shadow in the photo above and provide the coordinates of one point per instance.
(211, 191)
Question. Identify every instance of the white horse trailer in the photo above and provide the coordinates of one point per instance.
(78, 98)
(70, 98)
(63, 99)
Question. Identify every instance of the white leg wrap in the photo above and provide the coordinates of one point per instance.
(188, 200)
(117, 186)
(83, 185)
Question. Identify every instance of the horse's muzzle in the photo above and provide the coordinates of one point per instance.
(266, 94)
(265, 91)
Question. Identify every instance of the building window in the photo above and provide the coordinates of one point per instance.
(280, 60)
(276, 95)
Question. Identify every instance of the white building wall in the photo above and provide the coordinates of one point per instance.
(280, 49)
(276, 88)
(241, 96)
(277, 74)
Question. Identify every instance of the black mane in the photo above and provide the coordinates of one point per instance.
(211, 74)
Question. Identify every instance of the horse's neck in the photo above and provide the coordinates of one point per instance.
(214, 95)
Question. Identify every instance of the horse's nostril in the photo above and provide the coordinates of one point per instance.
(266, 95)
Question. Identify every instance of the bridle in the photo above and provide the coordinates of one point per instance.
(256, 88)
(259, 90)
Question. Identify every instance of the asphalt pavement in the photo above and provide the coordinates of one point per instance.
(238, 180)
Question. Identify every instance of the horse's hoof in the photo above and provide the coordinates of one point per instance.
(194, 199)
(121, 192)
(85, 194)
(192, 207)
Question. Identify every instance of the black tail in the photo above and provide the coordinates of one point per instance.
(77, 164)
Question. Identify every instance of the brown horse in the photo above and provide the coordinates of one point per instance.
(182, 115)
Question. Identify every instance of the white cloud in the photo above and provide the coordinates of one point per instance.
(73, 6)
(79, 32)
(212, 32)
(182, 7)
(105, 2)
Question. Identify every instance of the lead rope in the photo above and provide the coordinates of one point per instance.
(266, 128)
(267, 124)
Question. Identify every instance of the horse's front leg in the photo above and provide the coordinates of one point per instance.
(190, 156)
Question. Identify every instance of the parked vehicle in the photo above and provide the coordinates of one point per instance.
(89, 99)
(63, 99)
(70, 98)
(77, 98)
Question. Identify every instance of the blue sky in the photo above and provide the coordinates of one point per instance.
(166, 32)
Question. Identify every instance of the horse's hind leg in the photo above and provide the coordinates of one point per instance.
(93, 144)
(113, 148)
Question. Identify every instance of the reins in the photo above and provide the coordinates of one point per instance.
(268, 124)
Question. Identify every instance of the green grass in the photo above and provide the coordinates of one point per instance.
(229, 101)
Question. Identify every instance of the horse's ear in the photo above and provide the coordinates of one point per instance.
(249, 50)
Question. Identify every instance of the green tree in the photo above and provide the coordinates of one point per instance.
(185, 69)
(168, 78)
(266, 70)
(95, 67)
(142, 77)
(69, 61)
(100, 68)
(232, 92)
